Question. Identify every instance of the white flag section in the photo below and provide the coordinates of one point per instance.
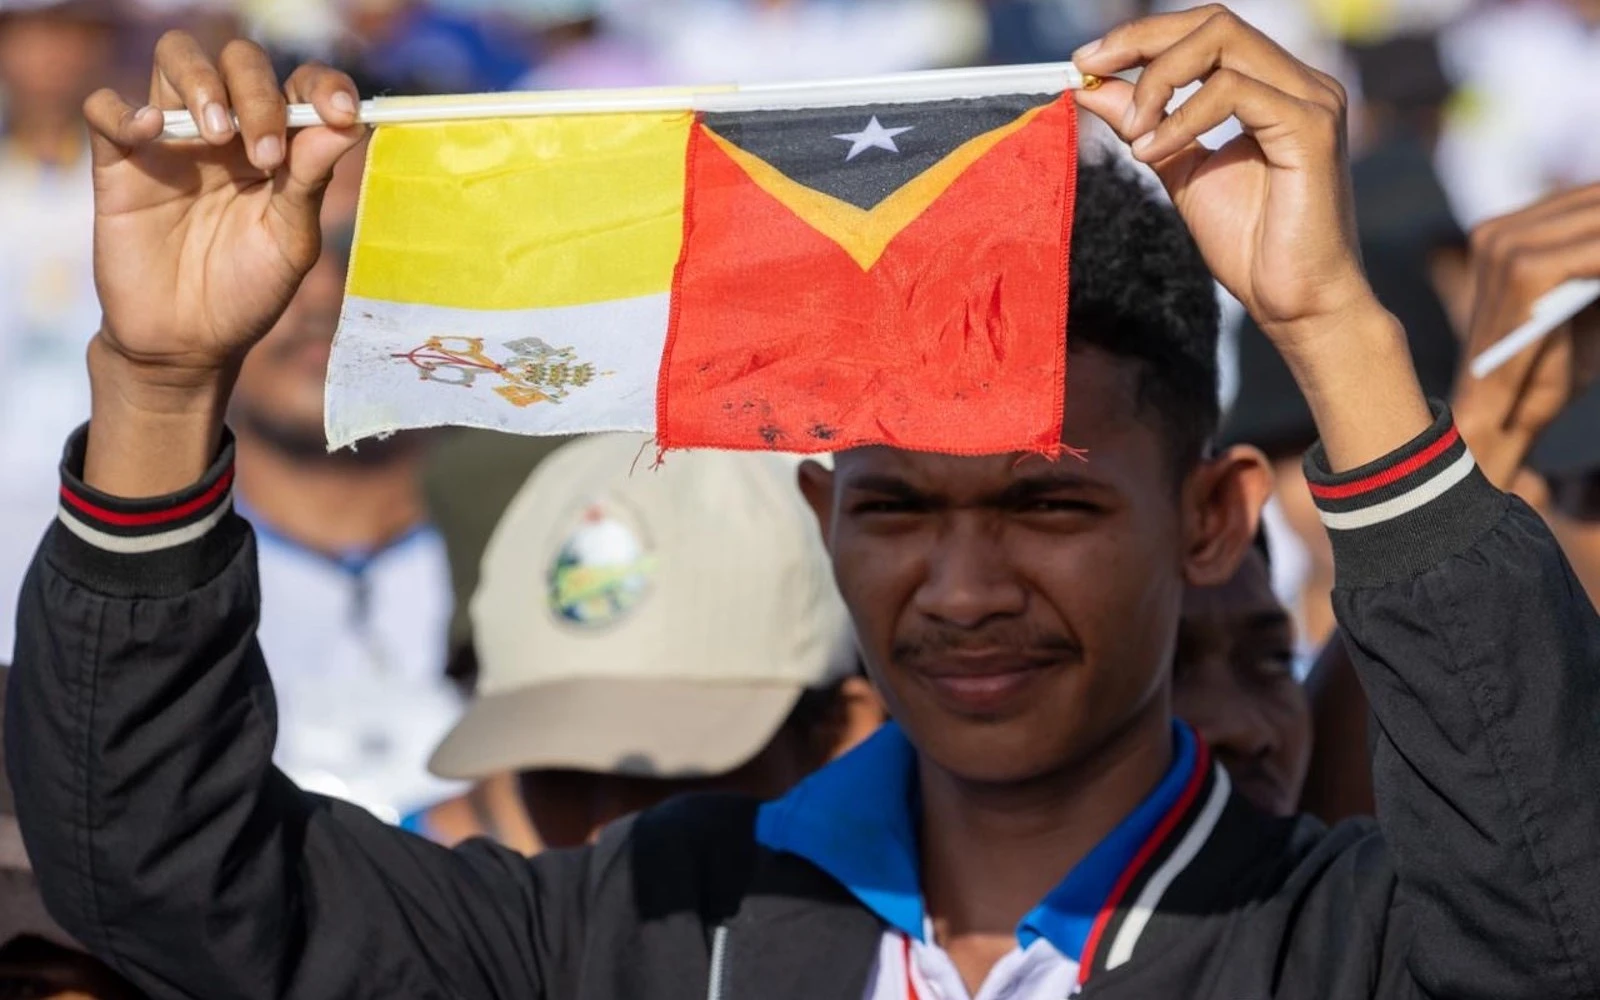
(399, 365)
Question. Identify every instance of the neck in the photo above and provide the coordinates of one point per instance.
(52, 139)
(991, 852)
(330, 503)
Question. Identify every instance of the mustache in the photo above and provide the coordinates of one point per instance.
(936, 642)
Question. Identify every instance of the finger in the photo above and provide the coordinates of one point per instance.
(1286, 127)
(1221, 42)
(115, 126)
(1109, 102)
(257, 102)
(185, 77)
(1509, 290)
(331, 92)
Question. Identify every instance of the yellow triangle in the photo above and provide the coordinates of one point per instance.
(864, 233)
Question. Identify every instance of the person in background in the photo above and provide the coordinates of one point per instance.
(1534, 423)
(52, 54)
(1415, 258)
(39, 960)
(469, 477)
(355, 590)
(646, 635)
(1233, 675)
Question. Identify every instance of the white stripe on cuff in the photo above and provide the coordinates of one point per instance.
(141, 544)
(1405, 503)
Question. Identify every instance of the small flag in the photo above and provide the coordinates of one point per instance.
(797, 280)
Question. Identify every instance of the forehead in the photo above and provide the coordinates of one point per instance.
(1120, 442)
(1247, 593)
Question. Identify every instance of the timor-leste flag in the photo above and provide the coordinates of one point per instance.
(796, 280)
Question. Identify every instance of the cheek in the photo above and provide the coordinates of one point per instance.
(877, 577)
(1119, 590)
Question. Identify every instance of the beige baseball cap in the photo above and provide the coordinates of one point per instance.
(647, 621)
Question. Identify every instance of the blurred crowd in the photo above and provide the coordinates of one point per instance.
(409, 587)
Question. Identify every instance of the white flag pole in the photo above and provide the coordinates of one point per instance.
(896, 88)
(1550, 310)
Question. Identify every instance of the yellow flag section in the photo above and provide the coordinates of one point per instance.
(513, 274)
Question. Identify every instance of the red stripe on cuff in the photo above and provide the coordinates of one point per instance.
(1158, 836)
(1396, 472)
(154, 517)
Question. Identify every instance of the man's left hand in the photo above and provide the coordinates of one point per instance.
(1271, 210)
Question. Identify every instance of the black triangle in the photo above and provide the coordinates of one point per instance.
(804, 144)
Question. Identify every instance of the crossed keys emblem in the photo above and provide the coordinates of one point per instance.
(535, 372)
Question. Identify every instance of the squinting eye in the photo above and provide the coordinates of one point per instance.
(1059, 507)
(884, 507)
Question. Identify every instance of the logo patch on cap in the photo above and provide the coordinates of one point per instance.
(601, 573)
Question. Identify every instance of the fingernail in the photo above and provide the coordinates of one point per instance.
(1128, 117)
(1143, 143)
(146, 113)
(343, 102)
(216, 119)
(268, 150)
(1085, 51)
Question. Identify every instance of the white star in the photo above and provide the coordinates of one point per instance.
(874, 136)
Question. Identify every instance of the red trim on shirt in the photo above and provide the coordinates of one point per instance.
(1389, 475)
(1158, 836)
(154, 517)
(911, 985)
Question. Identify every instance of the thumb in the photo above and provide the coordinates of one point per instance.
(115, 126)
(313, 152)
(1111, 102)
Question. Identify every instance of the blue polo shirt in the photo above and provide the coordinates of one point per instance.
(856, 819)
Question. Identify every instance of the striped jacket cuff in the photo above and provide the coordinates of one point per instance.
(1399, 515)
(152, 547)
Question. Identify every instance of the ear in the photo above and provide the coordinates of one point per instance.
(1222, 502)
(816, 483)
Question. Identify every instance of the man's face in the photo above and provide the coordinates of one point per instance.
(1233, 681)
(279, 392)
(1018, 614)
(52, 60)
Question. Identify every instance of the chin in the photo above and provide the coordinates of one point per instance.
(1007, 752)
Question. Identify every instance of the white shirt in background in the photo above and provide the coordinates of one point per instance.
(48, 313)
(356, 648)
(1528, 120)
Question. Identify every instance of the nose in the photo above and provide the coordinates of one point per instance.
(1240, 729)
(969, 578)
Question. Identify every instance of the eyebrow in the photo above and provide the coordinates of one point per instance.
(1021, 489)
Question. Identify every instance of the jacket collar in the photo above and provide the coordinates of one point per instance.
(855, 820)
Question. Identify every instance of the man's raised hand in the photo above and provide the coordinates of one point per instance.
(1271, 210)
(200, 245)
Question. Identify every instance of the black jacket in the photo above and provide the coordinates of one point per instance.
(141, 725)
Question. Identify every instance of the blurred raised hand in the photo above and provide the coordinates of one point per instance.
(1515, 259)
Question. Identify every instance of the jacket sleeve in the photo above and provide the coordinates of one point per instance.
(1480, 655)
(139, 730)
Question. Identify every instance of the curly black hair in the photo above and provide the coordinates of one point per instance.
(1140, 290)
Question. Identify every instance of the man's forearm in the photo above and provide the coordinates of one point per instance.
(149, 437)
(1356, 373)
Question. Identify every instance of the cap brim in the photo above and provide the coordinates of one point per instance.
(658, 729)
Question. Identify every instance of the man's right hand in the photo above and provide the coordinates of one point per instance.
(199, 246)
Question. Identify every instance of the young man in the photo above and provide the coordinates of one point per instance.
(1033, 821)
(645, 636)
